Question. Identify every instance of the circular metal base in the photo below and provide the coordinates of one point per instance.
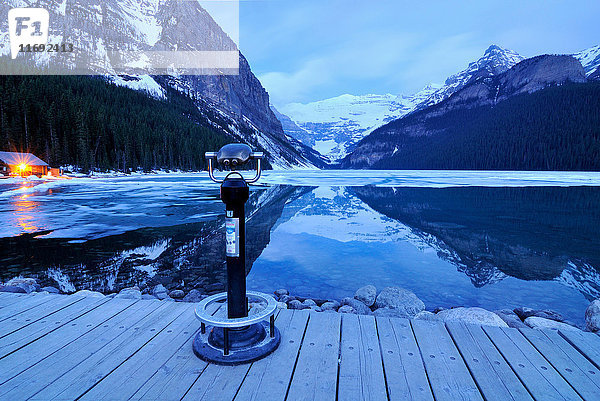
(247, 344)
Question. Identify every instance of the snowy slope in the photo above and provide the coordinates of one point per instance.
(338, 123)
(332, 126)
(589, 58)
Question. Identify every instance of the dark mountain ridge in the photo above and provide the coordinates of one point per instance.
(538, 115)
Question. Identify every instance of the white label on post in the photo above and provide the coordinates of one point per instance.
(232, 237)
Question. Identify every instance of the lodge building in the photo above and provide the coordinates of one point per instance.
(22, 164)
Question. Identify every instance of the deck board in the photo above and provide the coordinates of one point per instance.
(268, 379)
(586, 343)
(32, 315)
(494, 377)
(27, 334)
(315, 376)
(65, 348)
(361, 374)
(41, 375)
(404, 369)
(24, 358)
(449, 377)
(540, 378)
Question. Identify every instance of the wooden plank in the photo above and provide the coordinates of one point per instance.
(98, 365)
(538, 376)
(315, 375)
(175, 377)
(127, 379)
(406, 378)
(24, 358)
(269, 378)
(7, 299)
(24, 336)
(361, 367)
(582, 362)
(448, 375)
(36, 378)
(39, 312)
(572, 366)
(27, 303)
(586, 343)
(495, 379)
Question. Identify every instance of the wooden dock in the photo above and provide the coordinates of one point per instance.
(56, 347)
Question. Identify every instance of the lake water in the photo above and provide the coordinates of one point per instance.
(489, 239)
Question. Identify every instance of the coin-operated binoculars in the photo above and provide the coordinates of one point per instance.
(239, 338)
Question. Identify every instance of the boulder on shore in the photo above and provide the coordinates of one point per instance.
(547, 324)
(160, 292)
(399, 298)
(510, 318)
(366, 295)
(51, 290)
(472, 316)
(28, 284)
(330, 305)
(129, 293)
(592, 316)
(426, 315)
(347, 309)
(177, 294)
(12, 288)
(88, 293)
(281, 291)
(194, 296)
(357, 305)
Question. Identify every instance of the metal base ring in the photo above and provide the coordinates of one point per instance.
(223, 346)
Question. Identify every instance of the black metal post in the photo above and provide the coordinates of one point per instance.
(235, 193)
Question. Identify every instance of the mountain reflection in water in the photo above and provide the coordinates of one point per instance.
(472, 246)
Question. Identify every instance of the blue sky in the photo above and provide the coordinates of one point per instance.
(307, 50)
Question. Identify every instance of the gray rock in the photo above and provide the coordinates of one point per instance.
(282, 305)
(524, 312)
(549, 314)
(592, 316)
(391, 312)
(399, 298)
(510, 318)
(281, 291)
(366, 295)
(194, 296)
(177, 294)
(295, 304)
(309, 302)
(148, 297)
(51, 290)
(88, 293)
(28, 284)
(547, 324)
(330, 305)
(13, 289)
(472, 316)
(285, 298)
(357, 305)
(346, 309)
(129, 293)
(160, 292)
(426, 315)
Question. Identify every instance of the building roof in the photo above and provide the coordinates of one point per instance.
(16, 158)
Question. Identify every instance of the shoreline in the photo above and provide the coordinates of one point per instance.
(389, 302)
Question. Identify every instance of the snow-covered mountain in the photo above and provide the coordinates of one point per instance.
(333, 126)
(589, 58)
(235, 104)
